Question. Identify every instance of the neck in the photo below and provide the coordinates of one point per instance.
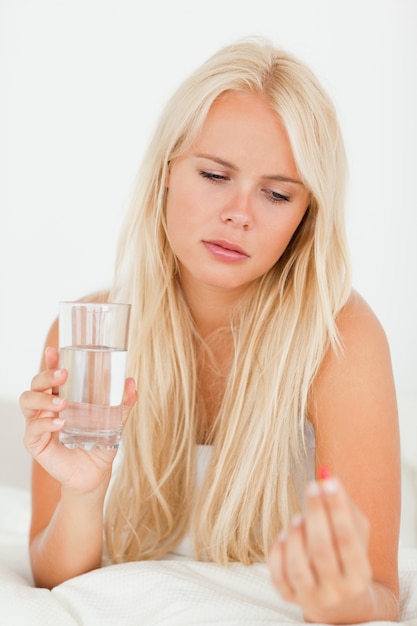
(210, 307)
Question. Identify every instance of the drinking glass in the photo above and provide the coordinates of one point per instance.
(93, 349)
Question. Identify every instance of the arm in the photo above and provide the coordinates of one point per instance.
(66, 530)
(339, 562)
(68, 486)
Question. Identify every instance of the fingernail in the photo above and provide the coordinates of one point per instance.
(282, 536)
(58, 421)
(57, 400)
(57, 373)
(331, 485)
(297, 520)
(313, 489)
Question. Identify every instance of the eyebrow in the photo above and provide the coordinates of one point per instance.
(278, 177)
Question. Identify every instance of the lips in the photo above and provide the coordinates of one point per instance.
(226, 250)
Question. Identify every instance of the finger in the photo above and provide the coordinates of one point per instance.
(35, 404)
(37, 428)
(130, 393)
(129, 398)
(52, 363)
(51, 358)
(276, 562)
(321, 543)
(300, 570)
(49, 380)
(350, 530)
(39, 432)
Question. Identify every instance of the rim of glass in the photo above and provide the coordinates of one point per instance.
(93, 303)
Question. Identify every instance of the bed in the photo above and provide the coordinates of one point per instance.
(175, 591)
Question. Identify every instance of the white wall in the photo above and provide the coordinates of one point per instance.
(81, 84)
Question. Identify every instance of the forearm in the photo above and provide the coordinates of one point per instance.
(378, 603)
(72, 542)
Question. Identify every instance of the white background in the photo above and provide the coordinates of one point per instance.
(81, 85)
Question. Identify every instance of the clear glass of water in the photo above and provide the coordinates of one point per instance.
(93, 348)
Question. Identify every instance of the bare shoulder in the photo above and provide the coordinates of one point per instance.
(363, 345)
(357, 319)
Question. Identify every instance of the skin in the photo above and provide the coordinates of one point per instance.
(237, 188)
(339, 561)
(237, 184)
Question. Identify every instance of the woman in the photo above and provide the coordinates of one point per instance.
(251, 353)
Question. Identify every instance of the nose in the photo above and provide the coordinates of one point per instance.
(237, 212)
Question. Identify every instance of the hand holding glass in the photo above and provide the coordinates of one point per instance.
(93, 349)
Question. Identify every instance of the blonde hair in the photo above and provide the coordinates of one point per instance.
(281, 331)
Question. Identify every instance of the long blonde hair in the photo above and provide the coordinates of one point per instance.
(281, 331)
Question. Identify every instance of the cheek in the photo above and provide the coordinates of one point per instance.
(179, 219)
(172, 218)
(186, 209)
(286, 227)
(293, 222)
(179, 198)
(280, 237)
(173, 231)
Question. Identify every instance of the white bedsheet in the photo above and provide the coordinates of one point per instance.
(171, 593)
(174, 592)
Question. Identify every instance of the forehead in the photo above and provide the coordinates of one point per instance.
(243, 127)
(242, 107)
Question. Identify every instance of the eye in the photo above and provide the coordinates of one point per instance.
(275, 196)
(212, 176)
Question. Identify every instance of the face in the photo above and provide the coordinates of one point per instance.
(235, 197)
